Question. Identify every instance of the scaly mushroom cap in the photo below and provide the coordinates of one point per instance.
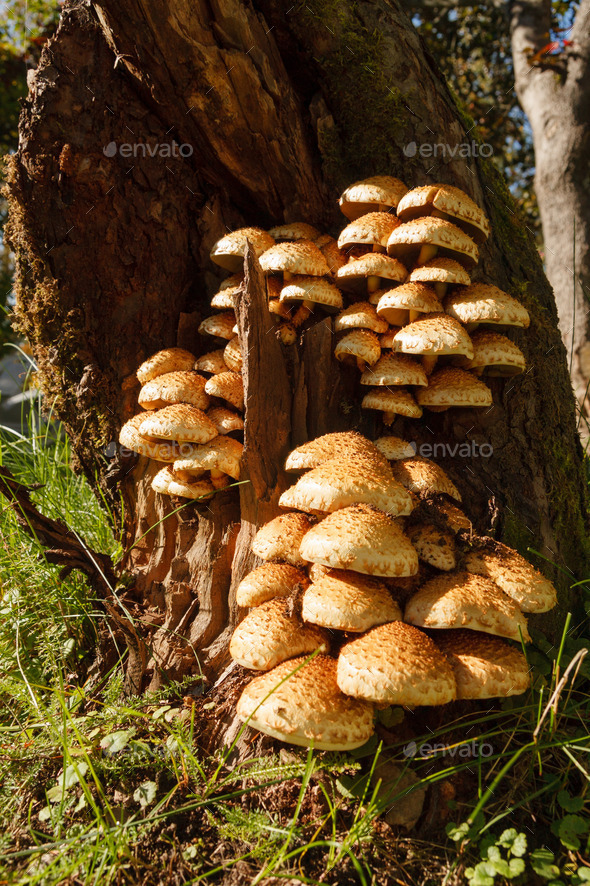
(371, 193)
(387, 338)
(495, 355)
(360, 315)
(227, 385)
(166, 483)
(462, 600)
(395, 369)
(180, 422)
(440, 270)
(294, 231)
(454, 518)
(353, 275)
(363, 539)
(348, 601)
(398, 401)
(233, 354)
(219, 325)
(424, 477)
(445, 201)
(515, 575)
(406, 240)
(168, 360)
(335, 257)
(212, 362)
(221, 454)
(484, 666)
(342, 444)
(396, 664)
(296, 257)
(394, 448)
(339, 483)
(314, 289)
(269, 581)
(435, 546)
(372, 229)
(361, 344)
(224, 299)
(271, 634)
(485, 303)
(281, 538)
(225, 420)
(229, 251)
(130, 438)
(454, 387)
(185, 386)
(299, 702)
(408, 297)
(435, 335)
(234, 281)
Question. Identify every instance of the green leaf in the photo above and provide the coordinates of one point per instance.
(116, 741)
(482, 875)
(512, 840)
(569, 803)
(391, 716)
(569, 829)
(457, 832)
(145, 793)
(70, 777)
(542, 863)
(583, 874)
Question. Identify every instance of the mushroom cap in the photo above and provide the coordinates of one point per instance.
(424, 477)
(297, 257)
(184, 386)
(360, 315)
(233, 354)
(348, 601)
(361, 343)
(435, 546)
(229, 251)
(166, 483)
(271, 633)
(335, 257)
(212, 362)
(485, 303)
(434, 335)
(454, 518)
(314, 289)
(405, 241)
(353, 275)
(234, 281)
(363, 196)
(341, 482)
(130, 438)
(341, 444)
(372, 229)
(484, 666)
(227, 385)
(225, 420)
(495, 354)
(281, 538)
(224, 299)
(167, 360)
(395, 369)
(514, 575)
(394, 448)
(221, 454)
(410, 297)
(462, 600)
(363, 539)
(454, 387)
(399, 401)
(396, 664)
(440, 270)
(268, 581)
(387, 338)
(180, 422)
(294, 231)
(219, 325)
(299, 702)
(448, 201)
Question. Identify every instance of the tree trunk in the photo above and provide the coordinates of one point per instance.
(282, 106)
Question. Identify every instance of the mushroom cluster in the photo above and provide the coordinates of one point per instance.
(374, 590)
(185, 423)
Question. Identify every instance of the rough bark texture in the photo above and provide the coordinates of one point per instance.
(283, 105)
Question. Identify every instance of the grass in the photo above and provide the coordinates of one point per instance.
(95, 788)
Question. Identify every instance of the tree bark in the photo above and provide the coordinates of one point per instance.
(283, 106)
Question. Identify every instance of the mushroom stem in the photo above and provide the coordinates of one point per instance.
(427, 252)
(372, 284)
(219, 479)
(305, 311)
(287, 277)
(397, 317)
(378, 248)
(441, 290)
(414, 315)
(471, 327)
(388, 418)
(428, 363)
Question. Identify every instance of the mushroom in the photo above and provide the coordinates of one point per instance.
(225, 420)
(179, 422)
(341, 444)
(167, 360)
(396, 664)
(391, 403)
(232, 354)
(440, 509)
(442, 273)
(447, 202)
(348, 601)
(394, 448)
(166, 483)
(386, 339)
(130, 438)
(417, 242)
(454, 387)
(371, 231)
(407, 303)
(224, 299)
(484, 666)
(380, 192)
(299, 702)
(361, 538)
(494, 355)
(434, 336)
(335, 257)
(268, 581)
(294, 231)
(301, 257)
(360, 315)
(280, 539)
(369, 273)
(219, 325)
(311, 291)
(184, 386)
(395, 369)
(485, 303)
(461, 600)
(212, 362)
(271, 633)
(511, 572)
(424, 477)
(221, 457)
(360, 347)
(229, 251)
(228, 386)
(435, 546)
